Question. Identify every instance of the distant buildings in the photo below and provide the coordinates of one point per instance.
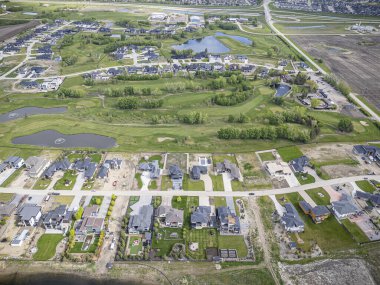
(298, 164)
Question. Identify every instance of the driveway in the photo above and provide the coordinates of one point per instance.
(307, 198)
(87, 201)
(207, 181)
(79, 183)
(76, 202)
(366, 226)
(280, 209)
(5, 175)
(145, 179)
(228, 188)
(334, 195)
(104, 207)
(204, 201)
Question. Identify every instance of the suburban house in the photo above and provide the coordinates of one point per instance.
(58, 219)
(176, 176)
(15, 162)
(152, 167)
(298, 164)
(196, 172)
(291, 220)
(61, 165)
(89, 225)
(372, 152)
(169, 216)
(317, 213)
(228, 222)
(203, 217)
(142, 222)
(114, 163)
(29, 214)
(36, 166)
(373, 198)
(227, 166)
(344, 207)
(90, 211)
(3, 167)
(103, 171)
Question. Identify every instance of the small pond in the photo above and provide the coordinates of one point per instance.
(52, 138)
(27, 111)
(211, 43)
(282, 90)
(240, 39)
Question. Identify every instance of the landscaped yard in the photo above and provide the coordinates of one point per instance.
(329, 235)
(91, 249)
(237, 185)
(233, 242)
(46, 246)
(139, 181)
(67, 181)
(135, 245)
(192, 185)
(205, 238)
(41, 184)
(219, 201)
(305, 178)
(289, 153)
(366, 186)
(217, 182)
(166, 242)
(316, 193)
(217, 158)
(152, 158)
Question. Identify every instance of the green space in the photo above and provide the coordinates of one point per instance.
(139, 181)
(366, 186)
(78, 247)
(153, 185)
(6, 197)
(46, 246)
(305, 178)
(237, 185)
(329, 235)
(233, 242)
(315, 195)
(164, 245)
(67, 181)
(217, 182)
(219, 201)
(355, 231)
(289, 153)
(266, 156)
(205, 238)
(189, 184)
(134, 249)
(41, 184)
(166, 182)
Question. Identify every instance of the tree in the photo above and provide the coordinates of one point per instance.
(345, 125)
(179, 199)
(315, 103)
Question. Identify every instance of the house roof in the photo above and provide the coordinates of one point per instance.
(143, 220)
(172, 215)
(29, 211)
(201, 215)
(175, 172)
(345, 206)
(225, 216)
(299, 163)
(291, 218)
(90, 211)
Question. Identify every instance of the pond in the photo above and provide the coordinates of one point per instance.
(282, 90)
(211, 43)
(240, 39)
(27, 111)
(52, 138)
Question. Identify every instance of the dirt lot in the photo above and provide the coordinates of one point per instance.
(10, 31)
(342, 271)
(180, 159)
(354, 59)
(326, 152)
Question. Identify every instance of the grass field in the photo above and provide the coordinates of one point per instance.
(71, 176)
(91, 249)
(366, 186)
(192, 185)
(219, 201)
(139, 181)
(305, 178)
(266, 156)
(217, 182)
(205, 238)
(314, 194)
(289, 153)
(233, 242)
(41, 184)
(46, 246)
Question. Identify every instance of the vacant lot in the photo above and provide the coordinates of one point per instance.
(354, 59)
(12, 30)
(46, 246)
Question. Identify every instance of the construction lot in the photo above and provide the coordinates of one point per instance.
(356, 60)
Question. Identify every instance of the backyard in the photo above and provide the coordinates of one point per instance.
(46, 246)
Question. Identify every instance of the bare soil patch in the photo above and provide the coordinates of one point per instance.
(10, 31)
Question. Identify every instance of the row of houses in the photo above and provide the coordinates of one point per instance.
(46, 85)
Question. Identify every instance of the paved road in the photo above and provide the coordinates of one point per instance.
(266, 192)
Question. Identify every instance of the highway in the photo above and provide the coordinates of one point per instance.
(321, 183)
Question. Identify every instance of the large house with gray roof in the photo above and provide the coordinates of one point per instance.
(318, 213)
(170, 216)
(196, 172)
(227, 166)
(203, 217)
(176, 175)
(29, 215)
(36, 166)
(298, 164)
(58, 219)
(373, 198)
(152, 167)
(344, 207)
(291, 221)
(141, 222)
(14, 162)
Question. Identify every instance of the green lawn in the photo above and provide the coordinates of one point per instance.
(354, 229)
(266, 156)
(313, 193)
(6, 197)
(366, 186)
(134, 250)
(289, 153)
(91, 249)
(46, 246)
(329, 235)
(153, 185)
(305, 178)
(166, 182)
(233, 242)
(237, 185)
(219, 201)
(165, 244)
(192, 185)
(70, 175)
(139, 181)
(205, 238)
(188, 204)
(217, 182)
(41, 184)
